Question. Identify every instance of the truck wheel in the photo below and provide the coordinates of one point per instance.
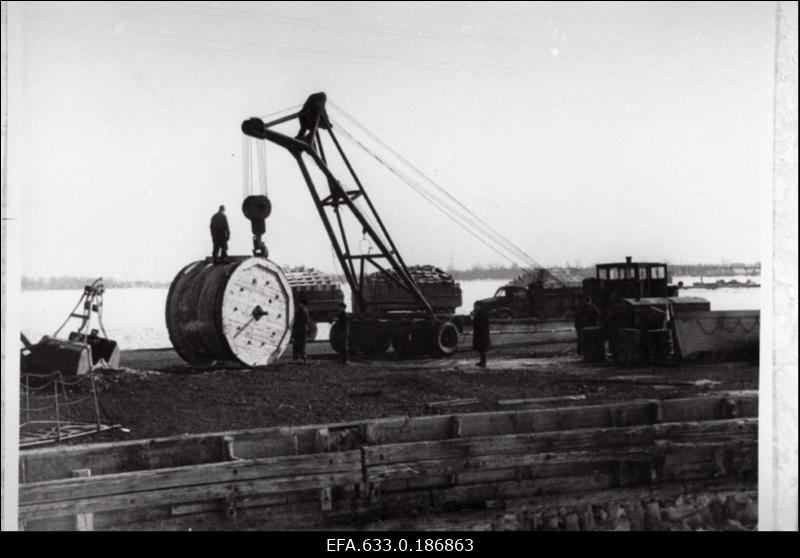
(505, 315)
(445, 338)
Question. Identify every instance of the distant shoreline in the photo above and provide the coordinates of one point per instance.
(77, 283)
(474, 274)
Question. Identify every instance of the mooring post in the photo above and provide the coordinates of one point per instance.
(83, 521)
(58, 416)
(228, 449)
(326, 499)
(455, 426)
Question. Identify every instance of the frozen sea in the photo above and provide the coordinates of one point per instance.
(135, 317)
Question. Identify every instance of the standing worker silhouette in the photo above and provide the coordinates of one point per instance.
(344, 319)
(300, 330)
(220, 233)
(480, 332)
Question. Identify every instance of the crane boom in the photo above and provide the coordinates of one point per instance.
(337, 201)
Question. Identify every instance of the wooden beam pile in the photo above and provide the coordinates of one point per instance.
(477, 470)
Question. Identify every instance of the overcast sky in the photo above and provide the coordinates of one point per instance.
(583, 132)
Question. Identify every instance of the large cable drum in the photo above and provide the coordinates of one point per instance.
(241, 310)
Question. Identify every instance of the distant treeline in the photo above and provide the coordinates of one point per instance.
(722, 270)
(500, 272)
(476, 272)
(66, 282)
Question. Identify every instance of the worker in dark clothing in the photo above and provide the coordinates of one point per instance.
(299, 331)
(480, 332)
(587, 315)
(220, 233)
(343, 318)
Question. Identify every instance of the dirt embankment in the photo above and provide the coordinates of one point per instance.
(163, 397)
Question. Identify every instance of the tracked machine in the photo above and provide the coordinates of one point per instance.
(631, 312)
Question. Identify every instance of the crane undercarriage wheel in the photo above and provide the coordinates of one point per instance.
(374, 346)
(372, 338)
(439, 338)
(402, 345)
(445, 338)
(369, 339)
(337, 337)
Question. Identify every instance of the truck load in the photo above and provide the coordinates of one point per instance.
(383, 291)
(320, 292)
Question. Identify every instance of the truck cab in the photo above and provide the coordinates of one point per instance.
(532, 301)
(509, 301)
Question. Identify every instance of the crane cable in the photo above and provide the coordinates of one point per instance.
(248, 144)
(510, 244)
(471, 217)
(427, 196)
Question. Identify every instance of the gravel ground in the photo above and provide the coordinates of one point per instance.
(157, 395)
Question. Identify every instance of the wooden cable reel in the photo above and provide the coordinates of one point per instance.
(241, 310)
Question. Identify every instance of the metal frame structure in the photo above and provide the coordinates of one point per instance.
(332, 205)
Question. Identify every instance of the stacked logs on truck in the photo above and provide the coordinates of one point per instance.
(638, 465)
(439, 287)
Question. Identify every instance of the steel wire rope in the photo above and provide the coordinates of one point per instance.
(460, 220)
(498, 237)
(487, 229)
(424, 194)
(719, 324)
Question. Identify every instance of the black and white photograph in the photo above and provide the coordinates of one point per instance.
(406, 272)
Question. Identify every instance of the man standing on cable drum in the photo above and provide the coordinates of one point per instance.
(220, 234)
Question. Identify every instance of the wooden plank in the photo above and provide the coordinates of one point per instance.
(462, 448)
(127, 483)
(378, 473)
(454, 402)
(556, 419)
(184, 494)
(511, 490)
(705, 408)
(707, 433)
(174, 451)
(411, 429)
(402, 509)
(50, 463)
(538, 400)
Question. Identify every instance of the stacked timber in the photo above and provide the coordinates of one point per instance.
(570, 468)
(383, 293)
(322, 294)
(240, 310)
